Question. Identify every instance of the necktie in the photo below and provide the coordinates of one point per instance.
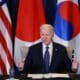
(46, 59)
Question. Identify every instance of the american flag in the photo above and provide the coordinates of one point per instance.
(6, 60)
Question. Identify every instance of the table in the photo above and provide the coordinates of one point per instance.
(24, 77)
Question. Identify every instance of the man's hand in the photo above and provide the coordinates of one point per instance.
(75, 65)
(21, 64)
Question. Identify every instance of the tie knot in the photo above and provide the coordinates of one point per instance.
(47, 47)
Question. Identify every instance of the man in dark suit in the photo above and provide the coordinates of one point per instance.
(57, 60)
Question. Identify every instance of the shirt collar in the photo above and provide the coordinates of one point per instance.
(50, 45)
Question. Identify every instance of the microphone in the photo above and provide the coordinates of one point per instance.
(72, 55)
(11, 74)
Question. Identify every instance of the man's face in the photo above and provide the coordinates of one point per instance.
(46, 35)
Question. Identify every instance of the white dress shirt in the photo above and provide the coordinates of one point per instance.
(50, 50)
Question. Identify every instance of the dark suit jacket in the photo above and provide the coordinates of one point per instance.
(34, 61)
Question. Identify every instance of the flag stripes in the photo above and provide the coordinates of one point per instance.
(6, 22)
(8, 54)
(6, 60)
(3, 67)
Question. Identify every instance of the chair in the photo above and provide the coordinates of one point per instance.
(24, 50)
(70, 52)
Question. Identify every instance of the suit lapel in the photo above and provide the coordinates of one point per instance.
(40, 51)
(53, 54)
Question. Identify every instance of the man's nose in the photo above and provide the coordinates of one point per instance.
(45, 37)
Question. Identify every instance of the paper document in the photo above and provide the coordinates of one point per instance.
(49, 75)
